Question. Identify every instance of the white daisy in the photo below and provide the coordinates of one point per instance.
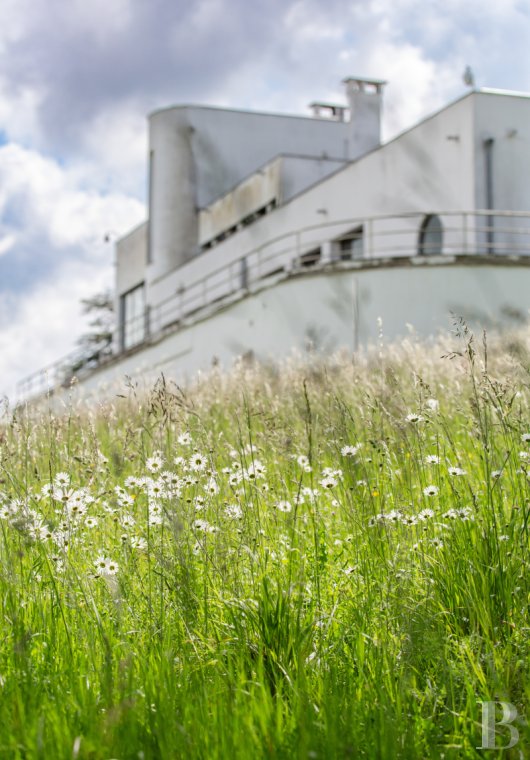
(431, 490)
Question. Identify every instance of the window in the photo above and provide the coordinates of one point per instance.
(430, 242)
(243, 273)
(351, 245)
(132, 317)
(310, 258)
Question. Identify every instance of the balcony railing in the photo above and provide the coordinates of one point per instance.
(323, 246)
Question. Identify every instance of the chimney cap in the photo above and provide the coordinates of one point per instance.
(361, 81)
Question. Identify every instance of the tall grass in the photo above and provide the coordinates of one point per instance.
(323, 560)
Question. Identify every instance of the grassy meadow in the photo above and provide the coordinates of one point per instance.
(321, 561)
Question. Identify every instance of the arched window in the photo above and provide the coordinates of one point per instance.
(431, 236)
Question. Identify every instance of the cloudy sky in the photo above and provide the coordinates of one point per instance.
(77, 78)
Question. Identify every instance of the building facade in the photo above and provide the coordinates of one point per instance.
(268, 233)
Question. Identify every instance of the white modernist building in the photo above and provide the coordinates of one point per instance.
(268, 233)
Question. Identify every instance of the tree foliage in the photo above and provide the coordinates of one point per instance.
(97, 341)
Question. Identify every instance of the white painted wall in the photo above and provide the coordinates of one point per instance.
(301, 172)
(131, 259)
(505, 117)
(331, 310)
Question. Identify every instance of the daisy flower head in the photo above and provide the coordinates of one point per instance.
(456, 471)
(155, 518)
(431, 490)
(433, 404)
(284, 506)
(138, 542)
(155, 463)
(100, 564)
(212, 487)
(61, 494)
(76, 509)
(394, 516)
(184, 439)
(235, 478)
(198, 462)
(329, 481)
(45, 533)
(256, 469)
(155, 489)
(61, 480)
(330, 477)
(525, 437)
(303, 462)
(350, 451)
(105, 566)
(6, 512)
(111, 567)
(127, 520)
(425, 514)
(432, 459)
(414, 418)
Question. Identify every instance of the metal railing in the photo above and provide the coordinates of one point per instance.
(312, 248)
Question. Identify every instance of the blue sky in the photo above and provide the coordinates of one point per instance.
(77, 79)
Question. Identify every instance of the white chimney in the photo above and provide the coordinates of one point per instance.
(365, 100)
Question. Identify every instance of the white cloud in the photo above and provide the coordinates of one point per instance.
(417, 86)
(53, 255)
(47, 324)
(6, 243)
(115, 150)
(47, 199)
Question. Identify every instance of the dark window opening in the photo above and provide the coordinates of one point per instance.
(310, 258)
(351, 245)
(430, 241)
(132, 317)
(245, 222)
(244, 273)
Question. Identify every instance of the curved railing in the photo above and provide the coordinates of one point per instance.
(325, 245)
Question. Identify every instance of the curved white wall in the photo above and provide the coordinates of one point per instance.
(330, 310)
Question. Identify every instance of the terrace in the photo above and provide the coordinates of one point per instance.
(409, 239)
